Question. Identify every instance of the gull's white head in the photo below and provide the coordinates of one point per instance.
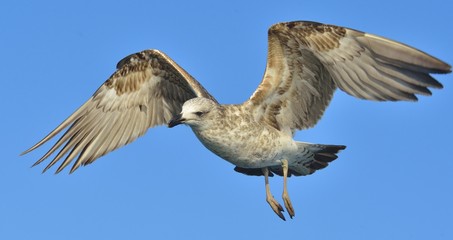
(194, 112)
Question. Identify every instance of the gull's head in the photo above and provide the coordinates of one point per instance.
(194, 112)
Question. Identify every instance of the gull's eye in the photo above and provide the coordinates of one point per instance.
(199, 113)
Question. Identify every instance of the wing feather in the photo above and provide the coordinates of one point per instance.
(147, 89)
(307, 61)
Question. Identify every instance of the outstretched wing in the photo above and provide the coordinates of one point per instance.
(307, 61)
(147, 89)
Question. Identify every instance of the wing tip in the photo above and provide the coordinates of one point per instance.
(437, 66)
(446, 68)
(31, 148)
(24, 152)
(436, 84)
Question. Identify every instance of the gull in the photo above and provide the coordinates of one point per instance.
(306, 63)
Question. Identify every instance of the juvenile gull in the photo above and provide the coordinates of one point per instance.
(306, 62)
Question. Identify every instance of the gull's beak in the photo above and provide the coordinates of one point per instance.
(176, 120)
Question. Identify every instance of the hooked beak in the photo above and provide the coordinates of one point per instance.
(176, 120)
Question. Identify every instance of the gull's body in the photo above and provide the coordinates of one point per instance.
(232, 134)
(306, 63)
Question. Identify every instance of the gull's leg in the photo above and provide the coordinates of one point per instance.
(285, 196)
(270, 199)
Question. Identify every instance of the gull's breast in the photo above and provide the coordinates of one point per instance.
(245, 143)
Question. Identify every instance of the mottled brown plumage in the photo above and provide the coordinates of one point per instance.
(147, 90)
(306, 63)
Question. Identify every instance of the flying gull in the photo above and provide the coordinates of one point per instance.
(306, 62)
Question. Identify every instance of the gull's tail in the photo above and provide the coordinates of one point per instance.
(311, 157)
(314, 157)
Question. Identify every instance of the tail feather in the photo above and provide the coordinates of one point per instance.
(323, 155)
(312, 157)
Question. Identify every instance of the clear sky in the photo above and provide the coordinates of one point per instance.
(394, 181)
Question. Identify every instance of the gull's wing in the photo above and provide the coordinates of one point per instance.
(307, 61)
(147, 89)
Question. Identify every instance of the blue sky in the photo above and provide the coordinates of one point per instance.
(394, 181)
